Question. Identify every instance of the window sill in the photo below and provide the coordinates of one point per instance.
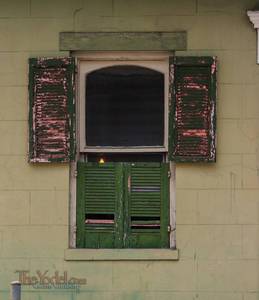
(120, 254)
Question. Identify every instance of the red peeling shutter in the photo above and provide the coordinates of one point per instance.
(51, 116)
(192, 109)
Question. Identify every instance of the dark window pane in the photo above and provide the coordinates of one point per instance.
(125, 157)
(125, 107)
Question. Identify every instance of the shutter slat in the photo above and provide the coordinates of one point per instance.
(142, 178)
(148, 206)
(100, 193)
(98, 205)
(51, 90)
(192, 109)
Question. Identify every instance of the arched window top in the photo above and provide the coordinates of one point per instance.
(124, 106)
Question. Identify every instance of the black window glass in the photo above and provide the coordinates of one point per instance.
(124, 107)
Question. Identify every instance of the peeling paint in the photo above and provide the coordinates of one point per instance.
(51, 84)
(194, 109)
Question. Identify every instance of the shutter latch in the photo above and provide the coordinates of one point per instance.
(75, 173)
(169, 174)
(169, 228)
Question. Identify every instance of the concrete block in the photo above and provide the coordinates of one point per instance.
(238, 136)
(34, 241)
(17, 174)
(186, 206)
(250, 104)
(5, 294)
(8, 269)
(209, 241)
(209, 32)
(230, 101)
(218, 242)
(178, 22)
(49, 294)
(250, 171)
(246, 207)
(251, 241)
(14, 69)
(128, 276)
(219, 296)
(215, 206)
(153, 7)
(237, 67)
(228, 276)
(225, 7)
(97, 8)
(185, 241)
(49, 207)
(251, 296)
(170, 276)
(23, 34)
(14, 9)
(142, 295)
(226, 173)
(99, 275)
(14, 137)
(14, 208)
(116, 24)
(13, 104)
(55, 8)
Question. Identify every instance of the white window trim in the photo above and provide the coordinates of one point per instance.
(161, 63)
(86, 64)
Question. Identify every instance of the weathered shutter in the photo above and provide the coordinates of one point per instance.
(51, 115)
(192, 109)
(99, 205)
(148, 205)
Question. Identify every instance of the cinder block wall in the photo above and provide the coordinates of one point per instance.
(217, 204)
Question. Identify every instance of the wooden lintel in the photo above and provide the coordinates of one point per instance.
(123, 41)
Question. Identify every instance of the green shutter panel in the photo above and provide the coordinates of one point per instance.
(148, 205)
(52, 113)
(99, 205)
(192, 108)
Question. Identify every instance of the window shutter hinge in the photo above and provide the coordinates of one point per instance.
(75, 173)
(169, 174)
(169, 228)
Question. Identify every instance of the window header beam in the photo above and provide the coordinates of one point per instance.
(123, 41)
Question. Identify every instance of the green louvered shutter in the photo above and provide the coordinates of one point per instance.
(192, 109)
(148, 205)
(99, 205)
(52, 109)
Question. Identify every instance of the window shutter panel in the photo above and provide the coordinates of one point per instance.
(148, 206)
(192, 108)
(99, 205)
(52, 109)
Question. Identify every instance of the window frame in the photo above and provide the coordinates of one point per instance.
(146, 59)
(158, 61)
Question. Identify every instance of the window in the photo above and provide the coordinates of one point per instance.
(165, 107)
(123, 184)
(123, 102)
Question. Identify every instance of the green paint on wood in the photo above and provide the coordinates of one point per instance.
(135, 193)
(192, 109)
(123, 41)
(148, 206)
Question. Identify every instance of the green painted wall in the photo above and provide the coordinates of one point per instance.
(217, 205)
